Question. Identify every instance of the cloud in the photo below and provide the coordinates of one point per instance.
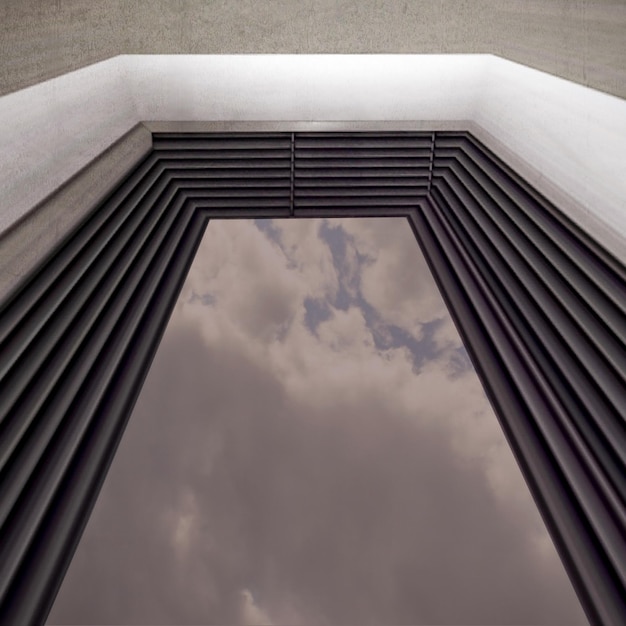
(251, 613)
(270, 474)
(396, 281)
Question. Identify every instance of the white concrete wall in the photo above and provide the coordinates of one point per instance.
(568, 140)
(306, 87)
(48, 132)
(580, 40)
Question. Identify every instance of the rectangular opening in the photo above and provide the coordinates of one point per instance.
(312, 445)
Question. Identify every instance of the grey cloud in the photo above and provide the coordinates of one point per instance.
(354, 516)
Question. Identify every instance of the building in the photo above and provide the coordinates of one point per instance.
(54, 129)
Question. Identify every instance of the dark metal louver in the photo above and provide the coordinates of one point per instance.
(370, 173)
(231, 172)
(541, 308)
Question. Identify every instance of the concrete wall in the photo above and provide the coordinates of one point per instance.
(580, 40)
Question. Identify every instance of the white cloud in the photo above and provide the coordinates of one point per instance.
(446, 336)
(319, 469)
(397, 281)
(261, 287)
(182, 532)
(309, 258)
(251, 613)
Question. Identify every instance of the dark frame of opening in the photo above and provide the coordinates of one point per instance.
(541, 308)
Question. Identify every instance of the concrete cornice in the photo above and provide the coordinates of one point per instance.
(567, 140)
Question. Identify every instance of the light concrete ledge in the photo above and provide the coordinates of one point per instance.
(37, 232)
(567, 140)
(50, 131)
(300, 126)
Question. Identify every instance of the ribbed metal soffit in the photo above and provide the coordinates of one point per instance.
(540, 306)
(286, 174)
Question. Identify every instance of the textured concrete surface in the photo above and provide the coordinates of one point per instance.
(37, 232)
(580, 40)
(49, 131)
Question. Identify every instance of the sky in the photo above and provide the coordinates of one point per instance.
(313, 446)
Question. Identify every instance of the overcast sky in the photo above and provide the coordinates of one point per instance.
(312, 446)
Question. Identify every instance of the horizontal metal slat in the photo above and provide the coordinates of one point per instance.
(204, 169)
(323, 173)
(588, 563)
(363, 136)
(260, 203)
(52, 303)
(594, 313)
(23, 526)
(223, 154)
(362, 153)
(240, 141)
(540, 327)
(196, 179)
(82, 481)
(367, 162)
(90, 300)
(250, 162)
(369, 191)
(352, 143)
(352, 201)
(575, 320)
(242, 146)
(563, 258)
(226, 135)
(358, 210)
(91, 338)
(599, 266)
(13, 311)
(233, 192)
(406, 182)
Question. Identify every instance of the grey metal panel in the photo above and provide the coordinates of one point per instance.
(230, 171)
(539, 304)
(367, 170)
(541, 309)
(25, 241)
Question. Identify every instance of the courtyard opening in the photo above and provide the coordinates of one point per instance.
(313, 445)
